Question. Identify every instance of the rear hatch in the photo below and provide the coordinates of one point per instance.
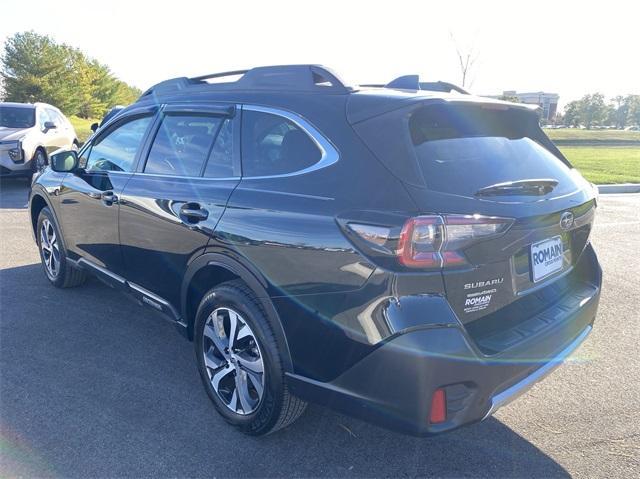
(515, 216)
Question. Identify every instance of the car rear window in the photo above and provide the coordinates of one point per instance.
(461, 149)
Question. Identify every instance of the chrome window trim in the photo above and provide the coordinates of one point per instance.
(158, 175)
(329, 154)
(111, 172)
(137, 173)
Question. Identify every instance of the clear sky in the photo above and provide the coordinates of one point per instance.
(567, 47)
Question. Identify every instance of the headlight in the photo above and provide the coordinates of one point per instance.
(15, 150)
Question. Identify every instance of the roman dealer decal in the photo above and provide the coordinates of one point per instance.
(482, 299)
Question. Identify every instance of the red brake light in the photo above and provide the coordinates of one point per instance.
(438, 411)
(425, 242)
(420, 242)
(433, 242)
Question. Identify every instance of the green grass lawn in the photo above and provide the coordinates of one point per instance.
(602, 165)
(573, 134)
(82, 127)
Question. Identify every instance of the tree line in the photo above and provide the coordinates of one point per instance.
(34, 68)
(593, 110)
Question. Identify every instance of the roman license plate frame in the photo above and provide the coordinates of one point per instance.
(546, 258)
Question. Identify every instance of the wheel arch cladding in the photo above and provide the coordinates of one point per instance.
(37, 204)
(212, 269)
(42, 149)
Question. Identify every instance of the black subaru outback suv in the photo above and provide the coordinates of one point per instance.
(414, 258)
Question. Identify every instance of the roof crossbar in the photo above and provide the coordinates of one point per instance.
(293, 78)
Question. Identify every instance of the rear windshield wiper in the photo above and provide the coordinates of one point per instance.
(539, 187)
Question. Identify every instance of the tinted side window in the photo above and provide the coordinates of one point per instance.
(182, 145)
(273, 145)
(54, 117)
(220, 164)
(83, 156)
(117, 150)
(43, 117)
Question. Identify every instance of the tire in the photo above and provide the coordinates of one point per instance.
(52, 252)
(223, 372)
(39, 161)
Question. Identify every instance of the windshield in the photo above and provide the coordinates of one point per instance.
(461, 150)
(17, 117)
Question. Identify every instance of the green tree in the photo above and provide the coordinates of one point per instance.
(589, 111)
(593, 109)
(619, 112)
(125, 94)
(511, 98)
(572, 113)
(35, 68)
(632, 103)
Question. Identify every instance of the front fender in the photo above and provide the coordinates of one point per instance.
(29, 146)
(46, 186)
(38, 193)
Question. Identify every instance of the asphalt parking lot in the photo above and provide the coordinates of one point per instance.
(92, 385)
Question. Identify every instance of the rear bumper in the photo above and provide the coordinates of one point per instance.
(505, 397)
(393, 385)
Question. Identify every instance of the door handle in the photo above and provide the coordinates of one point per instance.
(193, 212)
(109, 198)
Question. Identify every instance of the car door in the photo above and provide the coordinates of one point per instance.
(64, 134)
(89, 198)
(171, 205)
(49, 137)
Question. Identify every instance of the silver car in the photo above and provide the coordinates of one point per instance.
(29, 132)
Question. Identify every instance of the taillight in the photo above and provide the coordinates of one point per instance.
(420, 242)
(430, 242)
(437, 241)
(463, 231)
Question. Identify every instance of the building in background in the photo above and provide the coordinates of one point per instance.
(548, 102)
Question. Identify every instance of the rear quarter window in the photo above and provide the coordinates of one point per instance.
(274, 145)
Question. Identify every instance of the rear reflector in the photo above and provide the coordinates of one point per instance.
(438, 411)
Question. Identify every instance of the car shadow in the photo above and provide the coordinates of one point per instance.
(94, 385)
(14, 193)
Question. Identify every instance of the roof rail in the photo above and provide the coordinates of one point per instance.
(297, 78)
(443, 86)
(412, 82)
(219, 75)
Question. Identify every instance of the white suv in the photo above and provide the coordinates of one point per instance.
(29, 133)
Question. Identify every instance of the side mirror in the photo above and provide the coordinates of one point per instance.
(64, 162)
(94, 127)
(49, 125)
